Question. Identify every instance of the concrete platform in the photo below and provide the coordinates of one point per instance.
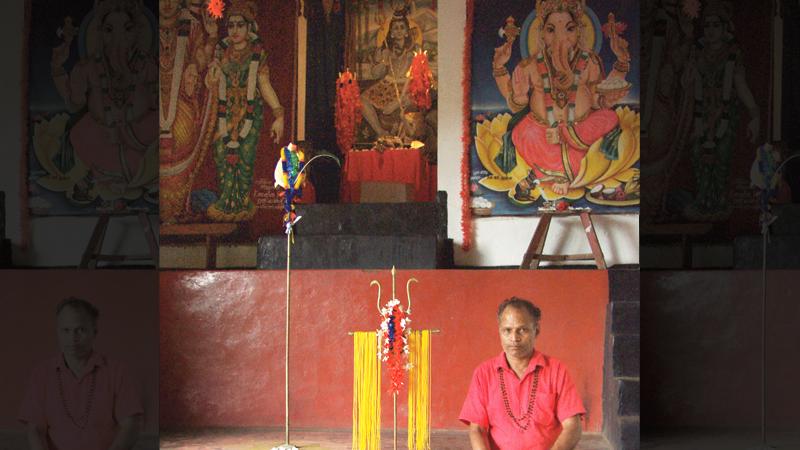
(718, 439)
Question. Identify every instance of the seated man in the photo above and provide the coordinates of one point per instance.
(522, 399)
(81, 400)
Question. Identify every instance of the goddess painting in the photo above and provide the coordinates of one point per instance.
(186, 43)
(115, 80)
(240, 77)
(716, 77)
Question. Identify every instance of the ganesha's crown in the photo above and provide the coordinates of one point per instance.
(546, 7)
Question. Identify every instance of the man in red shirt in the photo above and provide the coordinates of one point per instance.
(522, 399)
(81, 400)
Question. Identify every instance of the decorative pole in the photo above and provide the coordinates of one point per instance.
(395, 340)
(394, 331)
(764, 175)
(394, 395)
(289, 176)
(289, 236)
(766, 220)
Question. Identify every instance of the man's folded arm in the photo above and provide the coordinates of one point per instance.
(36, 437)
(128, 433)
(570, 434)
(478, 437)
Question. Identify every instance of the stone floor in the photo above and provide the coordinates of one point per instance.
(265, 439)
(719, 439)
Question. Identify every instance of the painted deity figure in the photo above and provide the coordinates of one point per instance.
(240, 76)
(558, 84)
(667, 41)
(115, 81)
(390, 63)
(186, 46)
(716, 77)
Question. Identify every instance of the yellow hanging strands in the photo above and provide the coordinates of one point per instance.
(366, 391)
(419, 391)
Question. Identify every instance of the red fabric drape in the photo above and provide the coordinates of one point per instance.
(394, 165)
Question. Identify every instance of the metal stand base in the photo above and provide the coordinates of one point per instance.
(285, 447)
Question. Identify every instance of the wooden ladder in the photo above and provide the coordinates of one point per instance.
(533, 256)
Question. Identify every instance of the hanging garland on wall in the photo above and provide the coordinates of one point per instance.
(466, 137)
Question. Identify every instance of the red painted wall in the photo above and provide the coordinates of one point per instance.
(128, 327)
(701, 332)
(222, 339)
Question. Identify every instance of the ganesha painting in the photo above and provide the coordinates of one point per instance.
(93, 108)
(559, 121)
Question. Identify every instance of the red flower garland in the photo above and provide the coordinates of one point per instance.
(466, 138)
(394, 335)
(420, 80)
(348, 110)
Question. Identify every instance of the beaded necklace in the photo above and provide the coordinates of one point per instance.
(556, 96)
(700, 112)
(524, 421)
(252, 72)
(84, 420)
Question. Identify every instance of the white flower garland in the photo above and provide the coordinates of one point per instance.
(401, 332)
(176, 76)
(223, 96)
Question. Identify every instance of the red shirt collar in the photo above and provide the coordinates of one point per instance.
(95, 360)
(538, 359)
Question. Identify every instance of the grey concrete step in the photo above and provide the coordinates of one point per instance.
(382, 219)
(5, 253)
(356, 252)
(783, 252)
(2, 215)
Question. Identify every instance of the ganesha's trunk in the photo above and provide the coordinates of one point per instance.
(561, 61)
(118, 60)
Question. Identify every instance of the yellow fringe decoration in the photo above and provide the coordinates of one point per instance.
(366, 391)
(419, 391)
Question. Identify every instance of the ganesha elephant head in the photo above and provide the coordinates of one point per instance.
(118, 30)
(560, 35)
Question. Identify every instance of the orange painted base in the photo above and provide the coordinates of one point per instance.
(222, 340)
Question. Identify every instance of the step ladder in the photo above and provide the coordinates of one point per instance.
(533, 256)
(93, 253)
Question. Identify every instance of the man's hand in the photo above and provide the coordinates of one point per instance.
(36, 438)
(128, 433)
(276, 131)
(478, 437)
(570, 434)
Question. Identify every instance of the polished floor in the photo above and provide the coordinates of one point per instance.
(265, 439)
(720, 439)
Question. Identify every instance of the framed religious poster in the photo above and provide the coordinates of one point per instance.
(554, 106)
(227, 94)
(90, 106)
(708, 79)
